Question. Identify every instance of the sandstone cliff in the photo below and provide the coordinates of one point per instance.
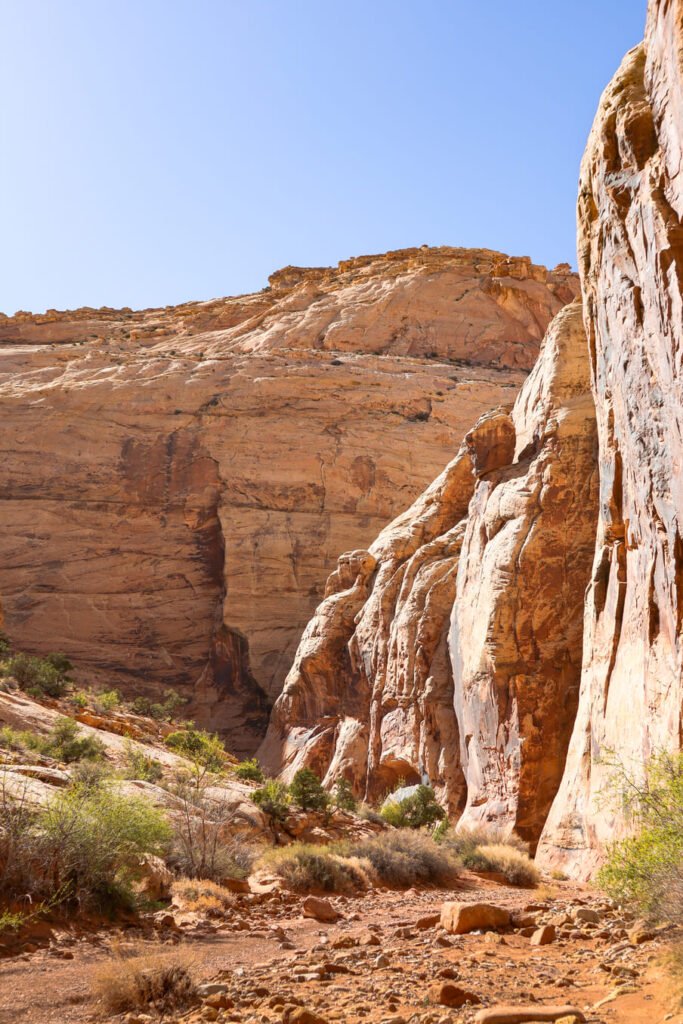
(549, 687)
(175, 484)
(373, 694)
(630, 244)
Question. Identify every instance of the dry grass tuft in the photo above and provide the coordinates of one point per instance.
(403, 858)
(201, 895)
(516, 867)
(307, 868)
(152, 982)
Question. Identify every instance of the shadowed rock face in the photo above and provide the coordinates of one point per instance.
(631, 260)
(176, 484)
(500, 546)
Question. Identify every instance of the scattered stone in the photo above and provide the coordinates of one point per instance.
(301, 1015)
(459, 918)
(448, 994)
(543, 936)
(524, 1014)
(427, 921)
(587, 915)
(320, 909)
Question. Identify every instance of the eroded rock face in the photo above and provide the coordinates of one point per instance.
(176, 484)
(631, 261)
(502, 542)
(517, 617)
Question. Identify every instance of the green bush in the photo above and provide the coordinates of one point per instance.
(66, 742)
(407, 858)
(202, 748)
(107, 701)
(343, 797)
(85, 845)
(306, 791)
(5, 644)
(139, 765)
(414, 811)
(249, 771)
(163, 711)
(37, 675)
(646, 868)
(273, 798)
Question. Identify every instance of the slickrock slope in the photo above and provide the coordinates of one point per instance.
(631, 256)
(176, 484)
(372, 694)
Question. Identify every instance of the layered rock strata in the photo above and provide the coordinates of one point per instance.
(497, 553)
(176, 484)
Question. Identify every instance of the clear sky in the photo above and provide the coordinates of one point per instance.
(155, 151)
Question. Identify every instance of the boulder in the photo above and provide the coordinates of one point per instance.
(448, 994)
(543, 936)
(526, 1014)
(459, 918)
(320, 909)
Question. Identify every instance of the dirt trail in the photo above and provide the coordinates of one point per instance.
(374, 965)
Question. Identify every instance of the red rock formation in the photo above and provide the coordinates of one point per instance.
(518, 613)
(631, 257)
(371, 693)
(175, 484)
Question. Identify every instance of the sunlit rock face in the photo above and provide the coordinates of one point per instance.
(630, 243)
(176, 484)
(495, 554)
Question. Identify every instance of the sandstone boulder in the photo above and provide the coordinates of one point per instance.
(320, 909)
(459, 918)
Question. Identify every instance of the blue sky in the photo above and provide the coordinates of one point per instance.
(155, 151)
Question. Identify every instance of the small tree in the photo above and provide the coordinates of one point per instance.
(204, 749)
(249, 771)
(343, 796)
(273, 798)
(307, 792)
(414, 811)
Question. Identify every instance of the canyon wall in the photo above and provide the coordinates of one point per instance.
(495, 555)
(176, 484)
(560, 588)
(630, 242)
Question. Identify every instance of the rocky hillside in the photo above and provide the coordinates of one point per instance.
(176, 484)
(524, 618)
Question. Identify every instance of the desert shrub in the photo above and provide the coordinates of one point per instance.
(10, 739)
(343, 797)
(89, 774)
(141, 981)
(273, 798)
(414, 811)
(306, 791)
(139, 765)
(60, 662)
(66, 742)
(203, 844)
(163, 711)
(38, 676)
(5, 644)
(465, 842)
(646, 868)
(11, 921)
(405, 858)
(249, 771)
(369, 813)
(85, 844)
(79, 700)
(516, 867)
(202, 748)
(202, 895)
(107, 701)
(307, 868)
(441, 830)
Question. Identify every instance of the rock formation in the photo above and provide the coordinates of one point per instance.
(531, 659)
(373, 694)
(630, 243)
(175, 484)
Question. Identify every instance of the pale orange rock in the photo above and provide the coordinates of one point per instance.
(516, 627)
(498, 552)
(630, 244)
(177, 483)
